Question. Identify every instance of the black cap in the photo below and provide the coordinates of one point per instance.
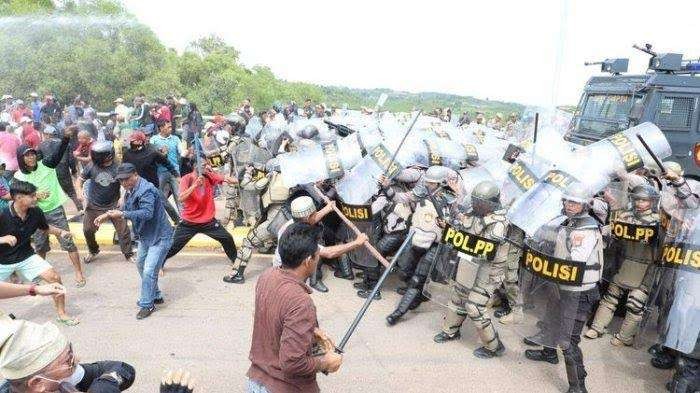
(28, 149)
(125, 170)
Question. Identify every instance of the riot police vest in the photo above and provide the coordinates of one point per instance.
(492, 226)
(573, 235)
(276, 191)
(424, 224)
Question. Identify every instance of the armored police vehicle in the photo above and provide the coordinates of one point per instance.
(667, 95)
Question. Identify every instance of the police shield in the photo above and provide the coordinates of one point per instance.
(674, 320)
(360, 184)
(464, 261)
(559, 271)
(363, 216)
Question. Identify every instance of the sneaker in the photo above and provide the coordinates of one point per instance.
(145, 312)
(159, 301)
(90, 257)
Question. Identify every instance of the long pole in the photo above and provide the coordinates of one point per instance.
(651, 153)
(341, 346)
(393, 157)
(352, 226)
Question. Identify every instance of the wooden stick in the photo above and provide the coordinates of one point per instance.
(352, 226)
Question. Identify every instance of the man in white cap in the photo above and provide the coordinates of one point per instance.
(122, 110)
(303, 209)
(38, 358)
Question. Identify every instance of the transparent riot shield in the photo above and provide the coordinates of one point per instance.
(672, 315)
(560, 264)
(360, 184)
(464, 261)
(253, 128)
(521, 176)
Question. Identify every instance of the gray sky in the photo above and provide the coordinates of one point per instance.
(497, 49)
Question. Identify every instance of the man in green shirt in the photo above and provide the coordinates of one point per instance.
(50, 195)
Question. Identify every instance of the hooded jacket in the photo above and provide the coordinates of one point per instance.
(44, 176)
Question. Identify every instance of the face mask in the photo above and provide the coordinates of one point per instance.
(73, 380)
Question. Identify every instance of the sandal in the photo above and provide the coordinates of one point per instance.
(80, 283)
(68, 321)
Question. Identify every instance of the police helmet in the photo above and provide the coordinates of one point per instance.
(486, 198)
(644, 191)
(436, 174)
(578, 193)
(674, 167)
(309, 131)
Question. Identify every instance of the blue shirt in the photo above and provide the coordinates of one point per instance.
(143, 205)
(172, 142)
(36, 111)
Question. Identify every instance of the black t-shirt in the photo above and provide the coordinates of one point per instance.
(104, 186)
(11, 224)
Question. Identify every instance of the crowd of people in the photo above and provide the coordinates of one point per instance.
(444, 219)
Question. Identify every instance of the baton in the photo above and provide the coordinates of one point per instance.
(393, 157)
(651, 153)
(352, 226)
(341, 347)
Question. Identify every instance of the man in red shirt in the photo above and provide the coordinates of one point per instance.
(197, 199)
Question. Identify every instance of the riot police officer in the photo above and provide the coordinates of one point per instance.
(477, 279)
(433, 199)
(576, 240)
(632, 275)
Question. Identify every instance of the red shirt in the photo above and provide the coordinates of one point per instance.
(198, 208)
(31, 137)
(83, 150)
(283, 334)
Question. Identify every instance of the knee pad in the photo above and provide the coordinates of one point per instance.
(636, 301)
(476, 314)
(612, 296)
(258, 236)
(479, 297)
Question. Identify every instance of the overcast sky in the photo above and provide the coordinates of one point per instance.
(525, 51)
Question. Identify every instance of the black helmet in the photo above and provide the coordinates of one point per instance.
(237, 123)
(309, 131)
(102, 152)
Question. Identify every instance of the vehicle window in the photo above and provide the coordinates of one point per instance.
(608, 106)
(675, 112)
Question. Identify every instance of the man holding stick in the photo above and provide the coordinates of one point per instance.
(288, 348)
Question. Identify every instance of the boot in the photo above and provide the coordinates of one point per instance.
(236, 277)
(504, 310)
(401, 290)
(655, 349)
(543, 355)
(343, 269)
(534, 341)
(364, 293)
(361, 285)
(404, 304)
(593, 334)
(575, 373)
(515, 316)
(443, 337)
(664, 360)
(315, 281)
(485, 353)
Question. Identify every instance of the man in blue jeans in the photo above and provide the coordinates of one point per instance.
(143, 205)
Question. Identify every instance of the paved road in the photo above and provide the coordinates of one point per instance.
(205, 326)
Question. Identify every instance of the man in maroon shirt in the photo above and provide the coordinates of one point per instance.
(197, 199)
(285, 329)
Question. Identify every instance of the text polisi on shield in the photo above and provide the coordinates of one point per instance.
(382, 157)
(356, 212)
(470, 244)
(553, 269)
(522, 176)
(681, 256)
(628, 153)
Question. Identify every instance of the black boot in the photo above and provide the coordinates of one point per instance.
(655, 349)
(504, 310)
(575, 372)
(443, 337)
(404, 304)
(236, 277)
(485, 353)
(344, 269)
(542, 355)
(364, 293)
(534, 341)
(316, 282)
(664, 359)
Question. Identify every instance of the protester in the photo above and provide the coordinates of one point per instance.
(18, 223)
(36, 107)
(39, 358)
(42, 174)
(82, 150)
(51, 108)
(285, 326)
(198, 210)
(50, 145)
(9, 143)
(146, 160)
(102, 196)
(30, 136)
(143, 206)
